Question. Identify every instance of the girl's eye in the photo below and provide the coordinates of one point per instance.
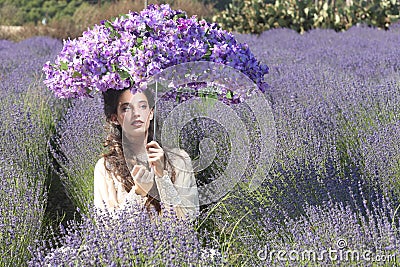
(124, 109)
(143, 106)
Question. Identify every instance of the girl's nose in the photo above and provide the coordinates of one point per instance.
(134, 112)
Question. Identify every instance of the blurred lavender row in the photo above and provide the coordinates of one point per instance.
(28, 118)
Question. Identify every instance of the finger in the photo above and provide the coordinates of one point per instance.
(148, 177)
(139, 173)
(154, 150)
(156, 164)
(154, 161)
(151, 163)
(135, 170)
(139, 191)
(155, 155)
(143, 178)
(151, 174)
(152, 144)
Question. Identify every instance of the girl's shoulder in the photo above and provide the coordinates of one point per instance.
(100, 161)
(100, 164)
(100, 169)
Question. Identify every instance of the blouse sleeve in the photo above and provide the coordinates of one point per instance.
(104, 192)
(182, 194)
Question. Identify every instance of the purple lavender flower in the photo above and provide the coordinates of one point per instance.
(129, 237)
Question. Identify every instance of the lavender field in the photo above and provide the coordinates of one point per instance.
(331, 197)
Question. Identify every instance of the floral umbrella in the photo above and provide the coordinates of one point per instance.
(127, 51)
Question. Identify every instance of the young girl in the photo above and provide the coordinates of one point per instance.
(138, 168)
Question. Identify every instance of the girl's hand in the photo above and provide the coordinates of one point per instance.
(143, 179)
(155, 155)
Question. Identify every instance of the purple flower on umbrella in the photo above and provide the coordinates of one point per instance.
(131, 49)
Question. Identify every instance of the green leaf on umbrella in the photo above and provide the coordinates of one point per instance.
(123, 74)
(63, 65)
(76, 75)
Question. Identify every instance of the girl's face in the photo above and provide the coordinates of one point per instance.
(133, 114)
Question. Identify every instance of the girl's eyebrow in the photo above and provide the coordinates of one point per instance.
(123, 104)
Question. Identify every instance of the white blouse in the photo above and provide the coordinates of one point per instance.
(109, 192)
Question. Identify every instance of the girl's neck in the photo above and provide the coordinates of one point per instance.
(135, 153)
(137, 145)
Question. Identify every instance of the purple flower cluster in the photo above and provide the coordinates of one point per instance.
(129, 237)
(129, 50)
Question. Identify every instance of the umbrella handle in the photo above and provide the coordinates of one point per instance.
(155, 112)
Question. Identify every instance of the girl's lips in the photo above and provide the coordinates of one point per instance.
(137, 123)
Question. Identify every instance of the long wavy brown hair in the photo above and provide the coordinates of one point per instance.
(115, 161)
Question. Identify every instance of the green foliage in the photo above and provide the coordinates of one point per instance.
(256, 16)
(20, 12)
(245, 16)
(218, 4)
(10, 14)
